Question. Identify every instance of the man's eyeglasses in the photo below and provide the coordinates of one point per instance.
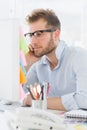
(38, 33)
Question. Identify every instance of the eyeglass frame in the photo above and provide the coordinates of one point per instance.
(41, 31)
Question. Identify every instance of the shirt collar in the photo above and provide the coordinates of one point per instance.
(59, 50)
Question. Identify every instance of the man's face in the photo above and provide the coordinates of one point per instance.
(43, 43)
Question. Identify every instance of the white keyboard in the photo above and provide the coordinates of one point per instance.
(8, 105)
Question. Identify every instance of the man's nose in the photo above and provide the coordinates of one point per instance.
(34, 40)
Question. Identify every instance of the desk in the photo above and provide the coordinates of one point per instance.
(4, 122)
(4, 125)
(77, 125)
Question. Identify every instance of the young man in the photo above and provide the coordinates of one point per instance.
(64, 67)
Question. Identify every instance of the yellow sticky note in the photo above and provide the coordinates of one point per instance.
(80, 127)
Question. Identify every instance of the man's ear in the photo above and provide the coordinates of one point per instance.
(57, 35)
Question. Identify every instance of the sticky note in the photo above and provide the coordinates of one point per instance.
(22, 77)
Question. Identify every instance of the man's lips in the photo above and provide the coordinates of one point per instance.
(36, 49)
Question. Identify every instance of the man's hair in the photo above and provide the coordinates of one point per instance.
(48, 15)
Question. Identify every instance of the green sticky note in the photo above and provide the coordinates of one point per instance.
(23, 45)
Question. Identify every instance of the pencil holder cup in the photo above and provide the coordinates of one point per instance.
(40, 104)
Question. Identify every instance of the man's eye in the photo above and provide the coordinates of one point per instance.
(31, 34)
(38, 34)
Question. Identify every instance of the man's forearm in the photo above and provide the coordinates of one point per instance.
(52, 103)
(55, 103)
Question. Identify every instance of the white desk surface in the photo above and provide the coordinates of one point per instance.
(4, 125)
(3, 122)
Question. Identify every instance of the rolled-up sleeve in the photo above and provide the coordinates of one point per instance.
(78, 99)
(69, 101)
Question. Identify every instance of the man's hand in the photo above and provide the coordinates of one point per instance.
(27, 100)
(30, 57)
(31, 48)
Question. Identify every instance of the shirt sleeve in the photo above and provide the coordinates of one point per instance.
(69, 102)
(31, 78)
(79, 98)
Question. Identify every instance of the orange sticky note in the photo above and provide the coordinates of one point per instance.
(22, 77)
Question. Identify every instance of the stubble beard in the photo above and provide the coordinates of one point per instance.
(50, 48)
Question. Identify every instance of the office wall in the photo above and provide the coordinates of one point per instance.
(9, 59)
(9, 51)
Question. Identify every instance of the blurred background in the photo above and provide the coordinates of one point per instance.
(73, 17)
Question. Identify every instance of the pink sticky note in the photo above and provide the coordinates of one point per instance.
(22, 57)
(22, 94)
(21, 32)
